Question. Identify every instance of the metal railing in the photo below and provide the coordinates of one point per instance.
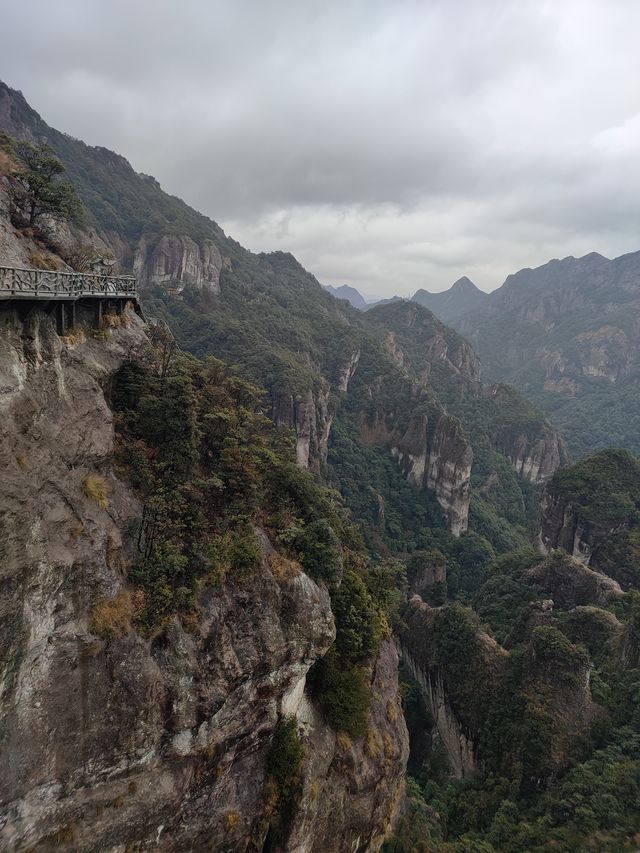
(16, 283)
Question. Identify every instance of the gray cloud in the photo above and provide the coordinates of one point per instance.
(390, 145)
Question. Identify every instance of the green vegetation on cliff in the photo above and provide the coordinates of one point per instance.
(604, 488)
(212, 471)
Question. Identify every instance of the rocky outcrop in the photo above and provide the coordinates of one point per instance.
(437, 456)
(352, 791)
(456, 741)
(533, 447)
(561, 528)
(466, 678)
(449, 472)
(112, 738)
(455, 725)
(431, 342)
(426, 572)
(535, 454)
(569, 583)
(347, 371)
(590, 511)
(179, 262)
(311, 416)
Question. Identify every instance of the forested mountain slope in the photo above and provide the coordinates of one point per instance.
(531, 695)
(270, 319)
(567, 334)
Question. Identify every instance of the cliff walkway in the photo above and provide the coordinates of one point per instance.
(63, 291)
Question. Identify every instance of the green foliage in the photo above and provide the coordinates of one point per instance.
(341, 678)
(196, 443)
(283, 777)
(603, 491)
(552, 649)
(358, 622)
(209, 465)
(604, 487)
(38, 189)
(343, 688)
(320, 551)
(503, 597)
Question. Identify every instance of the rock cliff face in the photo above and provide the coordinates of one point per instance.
(449, 472)
(352, 791)
(467, 679)
(453, 724)
(440, 361)
(436, 456)
(457, 742)
(179, 262)
(560, 528)
(311, 416)
(535, 455)
(112, 739)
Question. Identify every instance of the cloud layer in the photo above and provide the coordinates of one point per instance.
(389, 145)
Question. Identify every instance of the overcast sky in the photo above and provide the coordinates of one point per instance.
(388, 145)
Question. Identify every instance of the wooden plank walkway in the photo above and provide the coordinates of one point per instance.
(16, 283)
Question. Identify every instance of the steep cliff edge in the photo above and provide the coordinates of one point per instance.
(482, 699)
(116, 734)
(158, 237)
(496, 415)
(591, 509)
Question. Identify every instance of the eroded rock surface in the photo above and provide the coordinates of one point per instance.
(113, 740)
(178, 261)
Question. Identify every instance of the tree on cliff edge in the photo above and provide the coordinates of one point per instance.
(37, 189)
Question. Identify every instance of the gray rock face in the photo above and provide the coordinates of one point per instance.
(449, 472)
(352, 791)
(455, 726)
(535, 456)
(561, 527)
(347, 371)
(178, 261)
(457, 742)
(120, 740)
(311, 416)
(422, 578)
(438, 457)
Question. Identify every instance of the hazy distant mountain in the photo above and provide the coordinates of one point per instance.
(383, 302)
(349, 293)
(567, 334)
(452, 304)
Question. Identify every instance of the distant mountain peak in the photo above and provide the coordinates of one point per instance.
(345, 291)
(452, 304)
(464, 284)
